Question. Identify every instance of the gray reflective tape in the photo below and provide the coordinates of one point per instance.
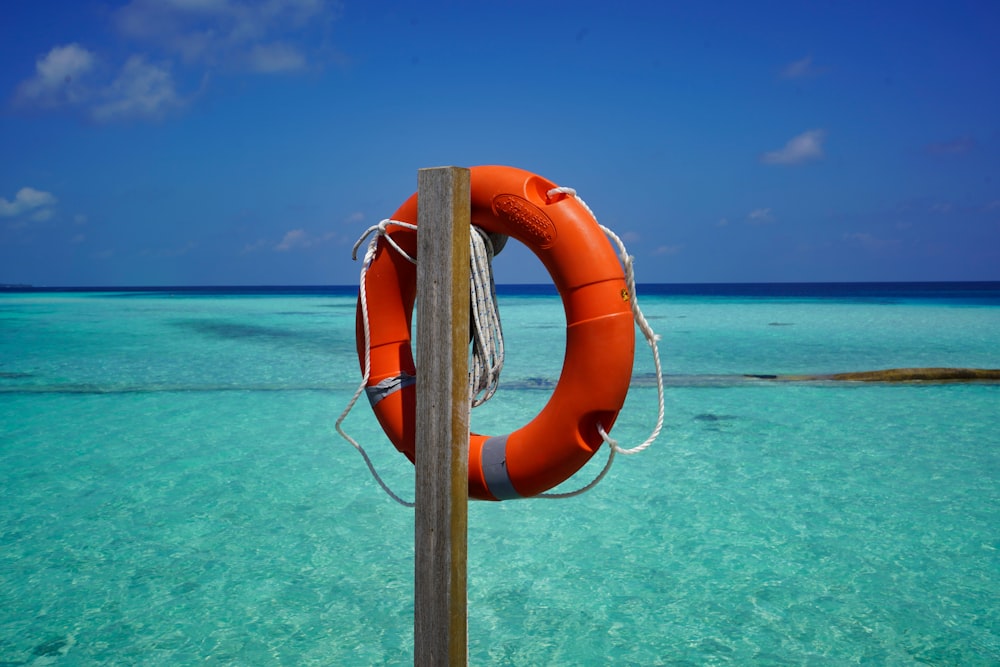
(494, 460)
(387, 386)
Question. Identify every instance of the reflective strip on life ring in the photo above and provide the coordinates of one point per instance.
(600, 335)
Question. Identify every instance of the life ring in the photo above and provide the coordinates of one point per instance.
(600, 334)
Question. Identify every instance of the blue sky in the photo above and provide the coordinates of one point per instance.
(238, 142)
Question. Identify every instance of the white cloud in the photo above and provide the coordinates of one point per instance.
(802, 148)
(233, 34)
(760, 216)
(59, 78)
(258, 36)
(296, 238)
(667, 250)
(953, 147)
(170, 251)
(871, 242)
(141, 90)
(29, 201)
(800, 69)
(277, 57)
(67, 76)
(250, 248)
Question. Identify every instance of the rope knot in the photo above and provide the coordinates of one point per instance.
(559, 191)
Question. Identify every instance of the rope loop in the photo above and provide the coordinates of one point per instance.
(651, 339)
(381, 231)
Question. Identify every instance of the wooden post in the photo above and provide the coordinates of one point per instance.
(440, 627)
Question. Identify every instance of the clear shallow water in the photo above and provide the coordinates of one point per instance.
(174, 491)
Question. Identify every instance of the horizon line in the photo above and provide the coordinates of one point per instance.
(13, 287)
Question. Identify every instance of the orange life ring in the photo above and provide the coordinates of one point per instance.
(600, 335)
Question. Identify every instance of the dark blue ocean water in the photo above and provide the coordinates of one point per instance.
(174, 491)
(983, 292)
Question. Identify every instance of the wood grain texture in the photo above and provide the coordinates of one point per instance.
(442, 421)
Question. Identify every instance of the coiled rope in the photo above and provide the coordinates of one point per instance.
(487, 334)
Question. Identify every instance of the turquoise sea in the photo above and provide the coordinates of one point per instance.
(174, 491)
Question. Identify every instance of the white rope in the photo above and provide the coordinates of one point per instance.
(487, 334)
(380, 232)
(651, 338)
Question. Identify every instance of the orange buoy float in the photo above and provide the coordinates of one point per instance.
(600, 334)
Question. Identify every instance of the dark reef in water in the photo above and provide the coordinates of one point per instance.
(52, 647)
(900, 375)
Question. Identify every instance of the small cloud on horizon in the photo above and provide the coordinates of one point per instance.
(171, 251)
(296, 239)
(804, 147)
(250, 248)
(668, 249)
(871, 242)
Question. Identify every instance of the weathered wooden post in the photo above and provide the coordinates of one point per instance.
(440, 628)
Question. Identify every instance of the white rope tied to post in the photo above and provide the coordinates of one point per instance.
(651, 339)
(380, 231)
(487, 334)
